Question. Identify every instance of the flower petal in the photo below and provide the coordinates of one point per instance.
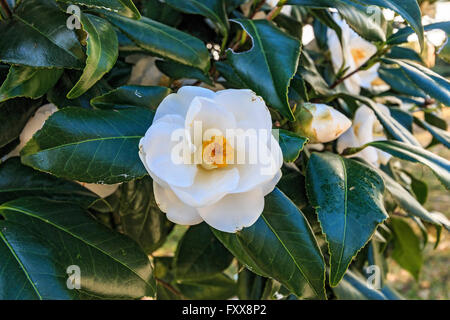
(249, 109)
(176, 211)
(209, 187)
(234, 211)
(156, 151)
(178, 103)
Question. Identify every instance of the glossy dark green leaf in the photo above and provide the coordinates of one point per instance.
(407, 252)
(102, 53)
(406, 200)
(404, 53)
(251, 286)
(30, 38)
(310, 74)
(58, 94)
(266, 71)
(230, 75)
(178, 71)
(432, 83)
(280, 245)
(28, 82)
(390, 124)
(212, 9)
(140, 216)
(408, 9)
(132, 96)
(402, 35)
(200, 254)
(94, 146)
(19, 181)
(443, 136)
(217, 287)
(439, 165)
(111, 265)
(292, 184)
(161, 11)
(399, 82)
(28, 270)
(164, 41)
(358, 18)
(353, 287)
(14, 115)
(291, 144)
(348, 198)
(122, 7)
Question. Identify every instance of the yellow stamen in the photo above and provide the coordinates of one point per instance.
(358, 55)
(217, 153)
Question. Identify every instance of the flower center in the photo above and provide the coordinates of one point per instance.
(216, 153)
(358, 55)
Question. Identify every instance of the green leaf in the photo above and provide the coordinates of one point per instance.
(140, 216)
(291, 144)
(230, 75)
(439, 166)
(408, 9)
(164, 41)
(405, 200)
(348, 198)
(14, 115)
(178, 71)
(218, 287)
(122, 7)
(443, 136)
(75, 238)
(102, 53)
(58, 94)
(280, 245)
(27, 271)
(432, 83)
(266, 71)
(352, 287)
(212, 9)
(251, 286)
(28, 82)
(94, 146)
(200, 255)
(402, 35)
(407, 252)
(308, 71)
(132, 96)
(53, 45)
(392, 126)
(356, 16)
(21, 181)
(399, 82)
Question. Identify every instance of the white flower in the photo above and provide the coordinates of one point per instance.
(35, 124)
(366, 128)
(321, 123)
(217, 181)
(355, 51)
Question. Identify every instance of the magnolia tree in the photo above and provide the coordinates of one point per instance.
(280, 132)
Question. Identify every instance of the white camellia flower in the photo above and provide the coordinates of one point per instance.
(320, 123)
(218, 180)
(366, 128)
(355, 51)
(35, 124)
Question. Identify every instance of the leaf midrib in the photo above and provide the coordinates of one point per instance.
(28, 213)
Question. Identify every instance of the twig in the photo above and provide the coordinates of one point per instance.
(257, 9)
(170, 288)
(339, 81)
(5, 8)
(276, 11)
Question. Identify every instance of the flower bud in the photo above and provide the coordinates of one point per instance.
(320, 123)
